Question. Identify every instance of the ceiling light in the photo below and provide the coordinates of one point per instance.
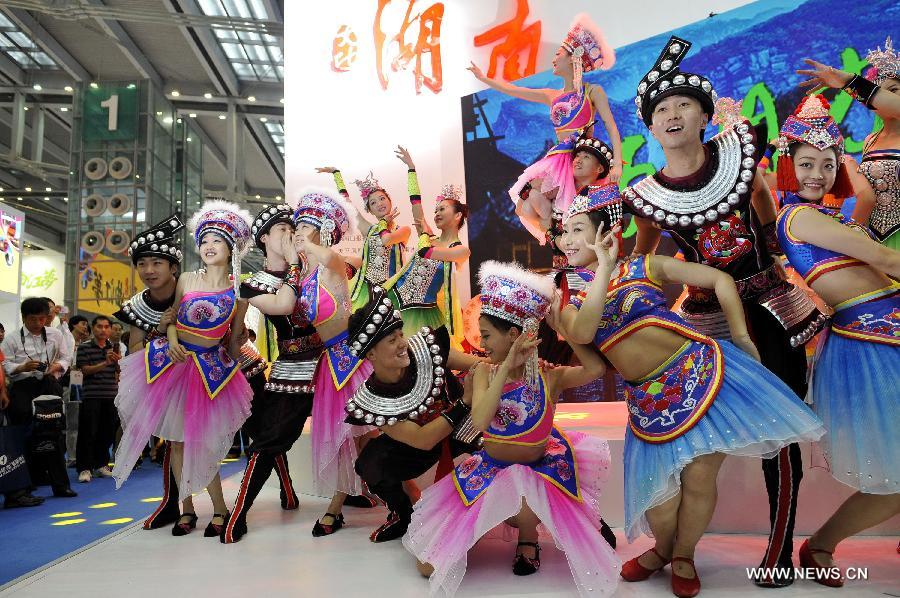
(48, 189)
(26, 108)
(257, 197)
(281, 100)
(222, 117)
(63, 109)
(178, 202)
(188, 138)
(193, 115)
(168, 120)
(175, 93)
(94, 85)
(19, 198)
(37, 87)
(28, 189)
(159, 113)
(179, 121)
(68, 88)
(278, 197)
(46, 199)
(132, 85)
(251, 98)
(2, 199)
(1, 189)
(207, 95)
(65, 199)
(263, 120)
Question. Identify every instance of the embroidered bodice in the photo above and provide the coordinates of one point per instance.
(634, 300)
(142, 311)
(882, 169)
(380, 262)
(316, 304)
(524, 415)
(206, 314)
(811, 261)
(571, 111)
(421, 280)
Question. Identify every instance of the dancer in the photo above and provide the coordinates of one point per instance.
(156, 255)
(576, 108)
(184, 388)
(317, 294)
(414, 400)
(284, 403)
(692, 400)
(719, 211)
(425, 289)
(529, 471)
(383, 246)
(854, 384)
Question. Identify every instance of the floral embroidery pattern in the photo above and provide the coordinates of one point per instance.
(562, 109)
(466, 468)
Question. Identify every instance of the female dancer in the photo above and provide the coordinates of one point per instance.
(577, 107)
(186, 388)
(854, 384)
(692, 400)
(529, 471)
(318, 294)
(878, 181)
(424, 290)
(382, 255)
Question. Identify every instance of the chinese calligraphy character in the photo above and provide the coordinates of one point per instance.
(343, 50)
(427, 41)
(518, 40)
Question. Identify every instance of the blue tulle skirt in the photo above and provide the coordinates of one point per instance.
(856, 391)
(754, 415)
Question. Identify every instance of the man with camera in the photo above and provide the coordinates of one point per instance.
(98, 361)
(36, 357)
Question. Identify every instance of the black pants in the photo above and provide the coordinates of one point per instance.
(384, 464)
(98, 421)
(784, 471)
(45, 455)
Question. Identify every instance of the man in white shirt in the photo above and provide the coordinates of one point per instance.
(36, 357)
(63, 325)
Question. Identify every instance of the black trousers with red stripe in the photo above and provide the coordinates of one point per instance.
(784, 471)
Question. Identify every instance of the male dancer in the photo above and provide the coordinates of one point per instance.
(720, 212)
(156, 255)
(414, 400)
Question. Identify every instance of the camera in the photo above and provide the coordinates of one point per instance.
(41, 367)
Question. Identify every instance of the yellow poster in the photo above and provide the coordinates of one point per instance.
(103, 284)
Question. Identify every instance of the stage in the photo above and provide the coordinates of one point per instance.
(279, 557)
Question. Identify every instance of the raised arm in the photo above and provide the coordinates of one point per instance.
(821, 230)
(458, 254)
(176, 351)
(540, 96)
(362, 222)
(412, 188)
(762, 201)
(601, 105)
(648, 236)
(669, 270)
(580, 326)
(887, 105)
(393, 237)
(282, 303)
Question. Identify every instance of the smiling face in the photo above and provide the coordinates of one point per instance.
(496, 341)
(378, 204)
(816, 171)
(390, 353)
(445, 215)
(562, 63)
(310, 232)
(577, 231)
(214, 250)
(678, 121)
(155, 272)
(273, 238)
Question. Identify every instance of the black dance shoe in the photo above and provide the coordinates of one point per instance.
(184, 528)
(523, 565)
(320, 529)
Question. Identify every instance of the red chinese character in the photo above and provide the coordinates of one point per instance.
(517, 41)
(427, 41)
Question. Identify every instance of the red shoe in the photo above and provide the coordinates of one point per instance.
(827, 576)
(634, 571)
(685, 587)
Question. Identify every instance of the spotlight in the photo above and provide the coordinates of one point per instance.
(175, 93)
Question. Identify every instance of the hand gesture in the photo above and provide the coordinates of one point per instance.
(56, 369)
(553, 318)
(615, 173)
(243, 337)
(391, 217)
(112, 357)
(404, 156)
(288, 249)
(475, 70)
(168, 317)
(177, 353)
(521, 349)
(326, 169)
(422, 226)
(28, 366)
(823, 75)
(606, 246)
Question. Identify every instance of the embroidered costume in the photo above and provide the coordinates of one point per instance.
(202, 401)
(853, 386)
(570, 112)
(709, 216)
(562, 487)
(708, 397)
(337, 373)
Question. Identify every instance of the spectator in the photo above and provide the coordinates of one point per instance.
(80, 329)
(98, 360)
(2, 334)
(63, 313)
(116, 337)
(36, 358)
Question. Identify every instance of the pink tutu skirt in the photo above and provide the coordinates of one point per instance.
(176, 406)
(443, 529)
(555, 172)
(334, 441)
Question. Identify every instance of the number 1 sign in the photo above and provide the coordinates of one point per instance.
(110, 113)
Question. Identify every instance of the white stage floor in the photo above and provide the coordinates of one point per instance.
(279, 557)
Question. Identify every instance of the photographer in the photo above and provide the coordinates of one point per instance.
(98, 360)
(36, 357)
